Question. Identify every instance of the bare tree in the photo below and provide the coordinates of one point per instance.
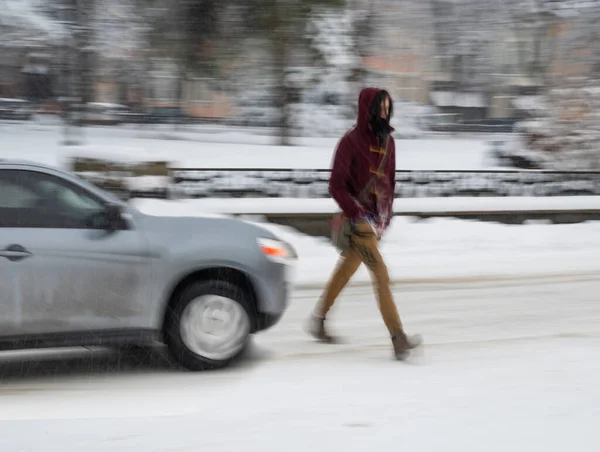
(281, 24)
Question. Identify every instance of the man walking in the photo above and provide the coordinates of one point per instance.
(365, 153)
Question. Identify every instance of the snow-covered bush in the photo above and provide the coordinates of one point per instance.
(566, 135)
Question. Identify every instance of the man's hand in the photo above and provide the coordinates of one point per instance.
(368, 224)
(365, 225)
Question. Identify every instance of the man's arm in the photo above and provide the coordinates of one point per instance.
(339, 181)
(392, 177)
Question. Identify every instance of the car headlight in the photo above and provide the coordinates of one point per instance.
(277, 251)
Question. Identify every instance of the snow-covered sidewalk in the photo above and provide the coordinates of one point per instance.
(401, 205)
(446, 249)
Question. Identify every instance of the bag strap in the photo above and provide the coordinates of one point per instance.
(367, 187)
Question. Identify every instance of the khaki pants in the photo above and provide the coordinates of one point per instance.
(364, 249)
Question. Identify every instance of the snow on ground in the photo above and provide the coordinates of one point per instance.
(504, 368)
(507, 365)
(439, 249)
(223, 147)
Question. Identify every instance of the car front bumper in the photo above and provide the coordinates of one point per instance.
(273, 295)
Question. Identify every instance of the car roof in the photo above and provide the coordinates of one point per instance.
(16, 162)
(25, 164)
(28, 164)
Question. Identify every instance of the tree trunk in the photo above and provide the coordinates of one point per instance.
(85, 57)
(363, 34)
(75, 67)
(123, 86)
(181, 82)
(280, 48)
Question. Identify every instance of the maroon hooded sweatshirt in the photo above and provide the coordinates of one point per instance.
(356, 159)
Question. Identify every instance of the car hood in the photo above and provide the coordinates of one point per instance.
(180, 229)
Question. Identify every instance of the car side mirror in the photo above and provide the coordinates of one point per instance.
(114, 217)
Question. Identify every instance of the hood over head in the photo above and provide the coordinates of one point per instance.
(366, 108)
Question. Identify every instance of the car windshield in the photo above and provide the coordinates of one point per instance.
(110, 197)
(68, 197)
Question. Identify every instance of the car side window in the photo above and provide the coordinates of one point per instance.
(30, 199)
(13, 196)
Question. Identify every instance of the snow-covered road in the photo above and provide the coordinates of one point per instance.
(506, 367)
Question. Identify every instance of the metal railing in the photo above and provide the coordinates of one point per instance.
(301, 183)
(314, 183)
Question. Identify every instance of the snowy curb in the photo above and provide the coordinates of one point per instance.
(475, 279)
(402, 206)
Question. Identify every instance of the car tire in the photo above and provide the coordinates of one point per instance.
(197, 339)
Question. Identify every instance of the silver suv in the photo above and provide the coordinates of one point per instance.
(80, 268)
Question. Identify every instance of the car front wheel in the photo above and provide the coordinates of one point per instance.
(209, 325)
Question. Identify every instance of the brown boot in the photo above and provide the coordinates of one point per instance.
(403, 344)
(316, 328)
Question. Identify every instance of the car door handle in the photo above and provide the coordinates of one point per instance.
(15, 253)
